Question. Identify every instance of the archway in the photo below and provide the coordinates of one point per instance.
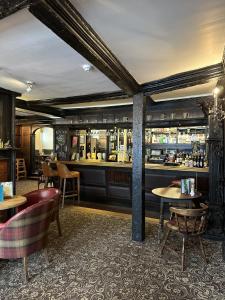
(42, 146)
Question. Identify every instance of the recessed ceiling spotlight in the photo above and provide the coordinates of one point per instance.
(29, 86)
(87, 67)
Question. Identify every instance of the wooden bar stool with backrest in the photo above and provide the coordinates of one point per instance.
(189, 223)
(21, 171)
(64, 174)
(49, 174)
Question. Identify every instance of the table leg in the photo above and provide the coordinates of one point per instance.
(161, 219)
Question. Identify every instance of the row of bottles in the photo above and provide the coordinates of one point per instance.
(196, 159)
(175, 136)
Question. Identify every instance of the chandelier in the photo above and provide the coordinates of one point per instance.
(217, 109)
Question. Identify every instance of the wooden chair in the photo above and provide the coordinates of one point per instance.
(26, 233)
(43, 195)
(64, 174)
(21, 171)
(49, 174)
(189, 223)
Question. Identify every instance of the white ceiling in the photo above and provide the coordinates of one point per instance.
(105, 103)
(30, 51)
(152, 38)
(158, 38)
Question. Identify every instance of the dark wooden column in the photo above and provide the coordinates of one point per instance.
(138, 170)
(7, 130)
(216, 180)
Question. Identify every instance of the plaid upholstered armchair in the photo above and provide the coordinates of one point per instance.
(26, 232)
(44, 194)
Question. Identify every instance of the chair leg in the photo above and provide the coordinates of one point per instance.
(202, 249)
(183, 253)
(60, 184)
(164, 240)
(45, 252)
(78, 189)
(25, 268)
(46, 182)
(64, 191)
(74, 189)
(58, 224)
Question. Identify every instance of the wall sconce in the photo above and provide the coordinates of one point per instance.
(217, 109)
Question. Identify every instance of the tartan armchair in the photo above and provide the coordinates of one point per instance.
(26, 232)
(44, 194)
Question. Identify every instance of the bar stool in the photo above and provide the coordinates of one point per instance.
(21, 171)
(49, 174)
(64, 174)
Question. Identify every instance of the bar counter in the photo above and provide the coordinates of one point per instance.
(109, 183)
(91, 162)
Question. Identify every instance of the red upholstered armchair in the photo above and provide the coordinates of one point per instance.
(44, 194)
(26, 232)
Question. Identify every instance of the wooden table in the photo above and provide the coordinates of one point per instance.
(172, 194)
(12, 202)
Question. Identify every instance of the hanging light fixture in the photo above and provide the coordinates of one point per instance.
(217, 110)
(29, 86)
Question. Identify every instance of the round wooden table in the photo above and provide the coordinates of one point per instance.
(172, 194)
(12, 202)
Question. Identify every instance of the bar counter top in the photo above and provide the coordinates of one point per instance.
(92, 162)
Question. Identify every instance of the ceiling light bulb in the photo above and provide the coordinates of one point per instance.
(29, 86)
(218, 91)
(87, 67)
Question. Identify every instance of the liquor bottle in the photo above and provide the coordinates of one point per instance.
(190, 163)
(194, 160)
(187, 161)
(201, 162)
(197, 161)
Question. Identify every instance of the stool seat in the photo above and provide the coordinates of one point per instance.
(64, 174)
(72, 174)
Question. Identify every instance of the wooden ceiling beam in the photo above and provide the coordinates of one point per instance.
(174, 82)
(65, 21)
(183, 80)
(56, 112)
(83, 98)
(8, 7)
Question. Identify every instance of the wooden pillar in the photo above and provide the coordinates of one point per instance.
(138, 170)
(7, 131)
(216, 180)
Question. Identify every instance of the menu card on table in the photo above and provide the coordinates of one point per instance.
(188, 186)
(7, 189)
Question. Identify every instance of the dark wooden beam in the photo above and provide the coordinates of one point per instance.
(177, 81)
(98, 110)
(83, 98)
(183, 80)
(8, 7)
(41, 109)
(65, 21)
(138, 168)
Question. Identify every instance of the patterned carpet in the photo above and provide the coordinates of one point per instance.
(96, 259)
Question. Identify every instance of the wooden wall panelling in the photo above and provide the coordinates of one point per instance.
(25, 145)
(4, 169)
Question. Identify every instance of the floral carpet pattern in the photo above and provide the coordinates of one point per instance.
(95, 259)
